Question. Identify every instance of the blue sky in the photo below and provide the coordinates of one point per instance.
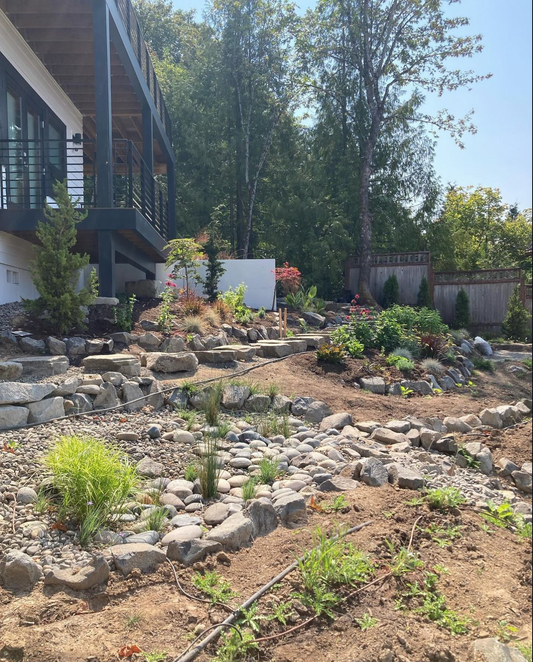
(500, 154)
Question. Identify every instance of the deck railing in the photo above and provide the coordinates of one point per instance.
(30, 168)
(142, 54)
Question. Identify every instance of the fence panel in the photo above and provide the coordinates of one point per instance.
(409, 268)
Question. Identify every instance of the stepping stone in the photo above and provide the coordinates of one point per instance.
(130, 366)
(170, 363)
(242, 352)
(218, 355)
(298, 344)
(271, 349)
(43, 366)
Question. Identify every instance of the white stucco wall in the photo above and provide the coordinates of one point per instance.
(257, 275)
(15, 255)
(24, 60)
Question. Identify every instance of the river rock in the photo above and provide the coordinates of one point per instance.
(80, 579)
(145, 557)
(18, 571)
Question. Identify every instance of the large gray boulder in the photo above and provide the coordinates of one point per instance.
(173, 345)
(491, 650)
(492, 418)
(258, 403)
(281, 404)
(129, 366)
(336, 421)
(80, 579)
(454, 424)
(107, 397)
(263, 517)
(171, 363)
(291, 510)
(43, 366)
(373, 384)
(234, 533)
(137, 555)
(46, 410)
(188, 552)
(56, 347)
(317, 412)
(388, 437)
(314, 319)
(132, 394)
(10, 370)
(482, 346)
(81, 403)
(13, 417)
(234, 396)
(32, 346)
(372, 472)
(405, 478)
(149, 341)
(68, 387)
(183, 534)
(17, 393)
(75, 346)
(19, 572)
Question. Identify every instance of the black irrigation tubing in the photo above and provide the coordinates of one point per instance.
(93, 413)
(193, 651)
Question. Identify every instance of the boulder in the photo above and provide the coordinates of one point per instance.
(46, 410)
(491, 650)
(94, 346)
(482, 346)
(281, 404)
(317, 411)
(314, 319)
(156, 397)
(372, 472)
(80, 579)
(272, 349)
(130, 366)
(405, 478)
(398, 426)
(13, 417)
(123, 338)
(506, 467)
(523, 481)
(447, 383)
(32, 346)
(188, 552)
(10, 370)
(19, 572)
(149, 341)
(263, 517)
(257, 403)
(300, 406)
(183, 534)
(216, 514)
(336, 421)
(492, 418)
(428, 438)
(142, 556)
(171, 363)
(8, 339)
(471, 420)
(233, 533)
(81, 403)
(456, 425)
(67, 387)
(150, 468)
(132, 394)
(291, 509)
(388, 437)
(421, 386)
(234, 396)
(373, 384)
(75, 346)
(107, 397)
(17, 393)
(149, 325)
(173, 345)
(339, 484)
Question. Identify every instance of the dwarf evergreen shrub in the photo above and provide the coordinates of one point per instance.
(391, 291)
(462, 310)
(424, 295)
(515, 324)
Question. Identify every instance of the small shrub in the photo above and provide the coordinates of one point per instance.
(269, 470)
(433, 367)
(248, 489)
(93, 480)
(433, 346)
(483, 364)
(124, 312)
(424, 295)
(402, 351)
(223, 310)
(261, 313)
(56, 268)
(214, 268)
(331, 353)
(388, 333)
(430, 321)
(344, 338)
(391, 292)
(212, 318)
(400, 362)
(208, 469)
(193, 305)
(462, 310)
(165, 319)
(445, 498)
(515, 324)
(193, 324)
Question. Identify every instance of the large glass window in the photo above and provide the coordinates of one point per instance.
(15, 153)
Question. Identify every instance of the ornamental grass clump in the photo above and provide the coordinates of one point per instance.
(93, 481)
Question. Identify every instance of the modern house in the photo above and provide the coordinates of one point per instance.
(80, 101)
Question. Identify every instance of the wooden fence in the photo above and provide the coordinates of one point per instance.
(409, 268)
(488, 290)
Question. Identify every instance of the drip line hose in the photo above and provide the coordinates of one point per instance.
(193, 651)
(239, 373)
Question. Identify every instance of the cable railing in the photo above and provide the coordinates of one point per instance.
(29, 170)
(142, 54)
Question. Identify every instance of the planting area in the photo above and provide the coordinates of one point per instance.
(132, 533)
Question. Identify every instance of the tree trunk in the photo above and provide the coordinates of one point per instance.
(365, 215)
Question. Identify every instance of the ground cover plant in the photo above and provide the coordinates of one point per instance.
(93, 480)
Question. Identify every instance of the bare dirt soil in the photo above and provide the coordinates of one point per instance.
(488, 580)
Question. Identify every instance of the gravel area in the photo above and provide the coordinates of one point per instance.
(7, 312)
